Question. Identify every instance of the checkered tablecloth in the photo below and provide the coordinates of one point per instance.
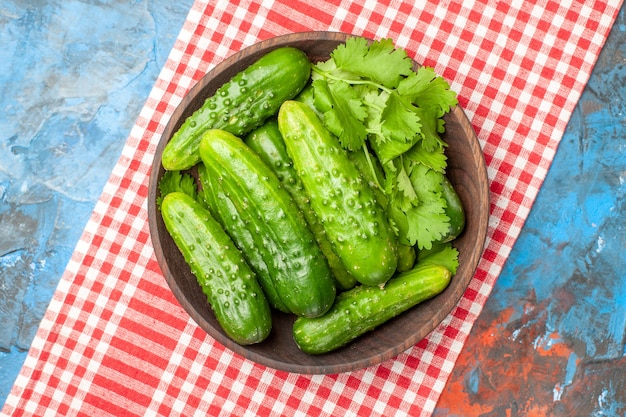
(114, 341)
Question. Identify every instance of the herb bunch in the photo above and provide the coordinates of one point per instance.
(371, 97)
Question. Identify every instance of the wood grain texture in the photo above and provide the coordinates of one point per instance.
(466, 170)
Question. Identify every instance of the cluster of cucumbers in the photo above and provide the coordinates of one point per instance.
(284, 219)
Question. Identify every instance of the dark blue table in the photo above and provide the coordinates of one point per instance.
(74, 77)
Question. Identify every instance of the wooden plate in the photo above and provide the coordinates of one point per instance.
(466, 171)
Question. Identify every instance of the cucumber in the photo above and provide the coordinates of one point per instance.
(370, 168)
(228, 282)
(355, 224)
(241, 104)
(407, 255)
(364, 308)
(256, 201)
(268, 143)
(454, 210)
(225, 211)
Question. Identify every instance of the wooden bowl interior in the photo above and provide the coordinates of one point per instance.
(466, 171)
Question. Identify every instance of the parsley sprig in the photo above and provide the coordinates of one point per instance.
(172, 181)
(374, 101)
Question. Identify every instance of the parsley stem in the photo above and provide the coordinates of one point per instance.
(360, 81)
(371, 166)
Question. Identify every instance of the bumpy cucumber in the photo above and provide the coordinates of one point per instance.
(225, 211)
(229, 284)
(257, 201)
(454, 210)
(369, 166)
(407, 255)
(364, 308)
(268, 143)
(356, 225)
(241, 104)
(371, 170)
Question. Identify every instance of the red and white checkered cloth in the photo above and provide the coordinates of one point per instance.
(114, 341)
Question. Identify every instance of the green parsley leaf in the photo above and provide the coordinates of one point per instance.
(431, 141)
(440, 254)
(176, 181)
(398, 186)
(390, 150)
(343, 112)
(406, 189)
(427, 224)
(426, 182)
(427, 90)
(434, 159)
(400, 122)
(428, 220)
(375, 100)
(380, 61)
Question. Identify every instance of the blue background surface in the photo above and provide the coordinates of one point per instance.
(74, 76)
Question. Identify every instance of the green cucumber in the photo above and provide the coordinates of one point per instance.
(364, 308)
(268, 143)
(355, 224)
(454, 210)
(224, 210)
(260, 215)
(241, 104)
(407, 255)
(227, 281)
(370, 168)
